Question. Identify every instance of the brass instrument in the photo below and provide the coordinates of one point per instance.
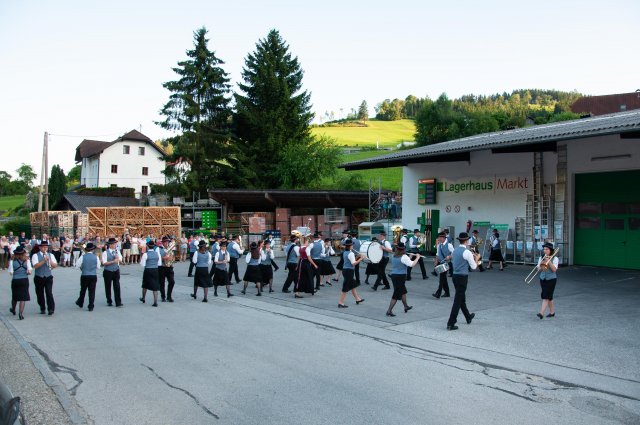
(397, 233)
(544, 265)
(171, 252)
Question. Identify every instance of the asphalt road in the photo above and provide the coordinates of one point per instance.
(280, 360)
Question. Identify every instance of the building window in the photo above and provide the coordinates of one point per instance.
(125, 149)
(114, 169)
(145, 171)
(141, 150)
(145, 190)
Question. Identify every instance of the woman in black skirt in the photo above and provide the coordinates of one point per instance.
(306, 265)
(266, 263)
(326, 268)
(221, 275)
(400, 262)
(19, 269)
(348, 273)
(253, 273)
(150, 277)
(548, 278)
(202, 259)
(496, 253)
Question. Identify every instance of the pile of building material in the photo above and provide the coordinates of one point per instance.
(155, 221)
(56, 223)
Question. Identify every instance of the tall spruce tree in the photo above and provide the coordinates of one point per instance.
(57, 185)
(363, 111)
(273, 112)
(198, 107)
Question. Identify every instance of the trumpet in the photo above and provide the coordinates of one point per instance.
(544, 265)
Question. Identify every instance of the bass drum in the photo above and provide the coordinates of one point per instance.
(371, 252)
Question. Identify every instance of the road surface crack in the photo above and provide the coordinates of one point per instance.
(58, 368)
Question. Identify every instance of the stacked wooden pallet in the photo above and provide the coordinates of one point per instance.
(155, 221)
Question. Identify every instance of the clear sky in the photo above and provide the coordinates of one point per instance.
(95, 69)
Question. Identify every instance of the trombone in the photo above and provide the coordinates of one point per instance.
(544, 265)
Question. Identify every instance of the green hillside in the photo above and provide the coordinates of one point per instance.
(388, 133)
(10, 202)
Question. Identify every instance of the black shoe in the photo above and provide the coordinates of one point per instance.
(390, 314)
(446, 296)
(452, 328)
(298, 296)
(189, 275)
(215, 294)
(471, 316)
(170, 299)
(361, 300)
(386, 287)
(436, 296)
(425, 277)
(120, 305)
(286, 291)
(229, 295)
(336, 280)
(540, 316)
(243, 292)
(42, 312)
(270, 290)
(204, 300)
(434, 273)
(193, 296)
(164, 300)
(374, 287)
(142, 300)
(90, 308)
(154, 305)
(328, 283)
(50, 313)
(551, 315)
(342, 306)
(259, 294)
(13, 311)
(77, 303)
(20, 316)
(110, 303)
(407, 308)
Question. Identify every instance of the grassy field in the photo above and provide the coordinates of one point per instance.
(391, 178)
(387, 133)
(8, 202)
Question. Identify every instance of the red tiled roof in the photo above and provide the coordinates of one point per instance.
(607, 104)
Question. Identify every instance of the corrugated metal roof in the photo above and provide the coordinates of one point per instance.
(622, 122)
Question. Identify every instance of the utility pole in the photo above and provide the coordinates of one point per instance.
(44, 175)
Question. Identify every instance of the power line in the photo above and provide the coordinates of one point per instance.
(96, 135)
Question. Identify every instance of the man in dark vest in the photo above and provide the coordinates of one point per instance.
(111, 259)
(89, 264)
(165, 271)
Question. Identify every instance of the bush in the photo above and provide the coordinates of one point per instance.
(20, 224)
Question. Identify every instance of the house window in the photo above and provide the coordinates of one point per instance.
(125, 149)
(141, 150)
(145, 171)
(114, 169)
(145, 190)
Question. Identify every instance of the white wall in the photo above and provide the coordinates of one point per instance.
(89, 171)
(498, 205)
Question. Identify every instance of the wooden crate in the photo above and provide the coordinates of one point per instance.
(296, 221)
(257, 225)
(155, 221)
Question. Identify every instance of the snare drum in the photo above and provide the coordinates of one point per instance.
(371, 252)
(442, 268)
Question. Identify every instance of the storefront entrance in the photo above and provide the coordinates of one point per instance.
(607, 220)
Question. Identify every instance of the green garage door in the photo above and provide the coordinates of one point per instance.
(607, 221)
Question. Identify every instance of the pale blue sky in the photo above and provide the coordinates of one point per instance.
(95, 69)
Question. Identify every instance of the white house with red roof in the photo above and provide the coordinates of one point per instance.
(132, 160)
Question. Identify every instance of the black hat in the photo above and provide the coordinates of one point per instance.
(112, 240)
(442, 235)
(19, 250)
(223, 243)
(44, 243)
(90, 247)
(400, 246)
(374, 239)
(475, 231)
(317, 234)
(463, 236)
(446, 230)
(345, 231)
(405, 231)
(383, 233)
(267, 241)
(166, 239)
(416, 231)
(292, 238)
(348, 242)
(202, 243)
(253, 245)
(151, 243)
(548, 245)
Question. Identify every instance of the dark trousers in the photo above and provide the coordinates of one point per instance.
(357, 272)
(233, 269)
(291, 277)
(382, 273)
(191, 265)
(112, 278)
(316, 272)
(422, 269)
(44, 286)
(166, 273)
(87, 282)
(274, 265)
(460, 299)
(443, 284)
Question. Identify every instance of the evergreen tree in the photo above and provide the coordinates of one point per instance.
(57, 185)
(198, 107)
(363, 111)
(273, 111)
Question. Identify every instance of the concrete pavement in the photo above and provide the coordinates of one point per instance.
(277, 359)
